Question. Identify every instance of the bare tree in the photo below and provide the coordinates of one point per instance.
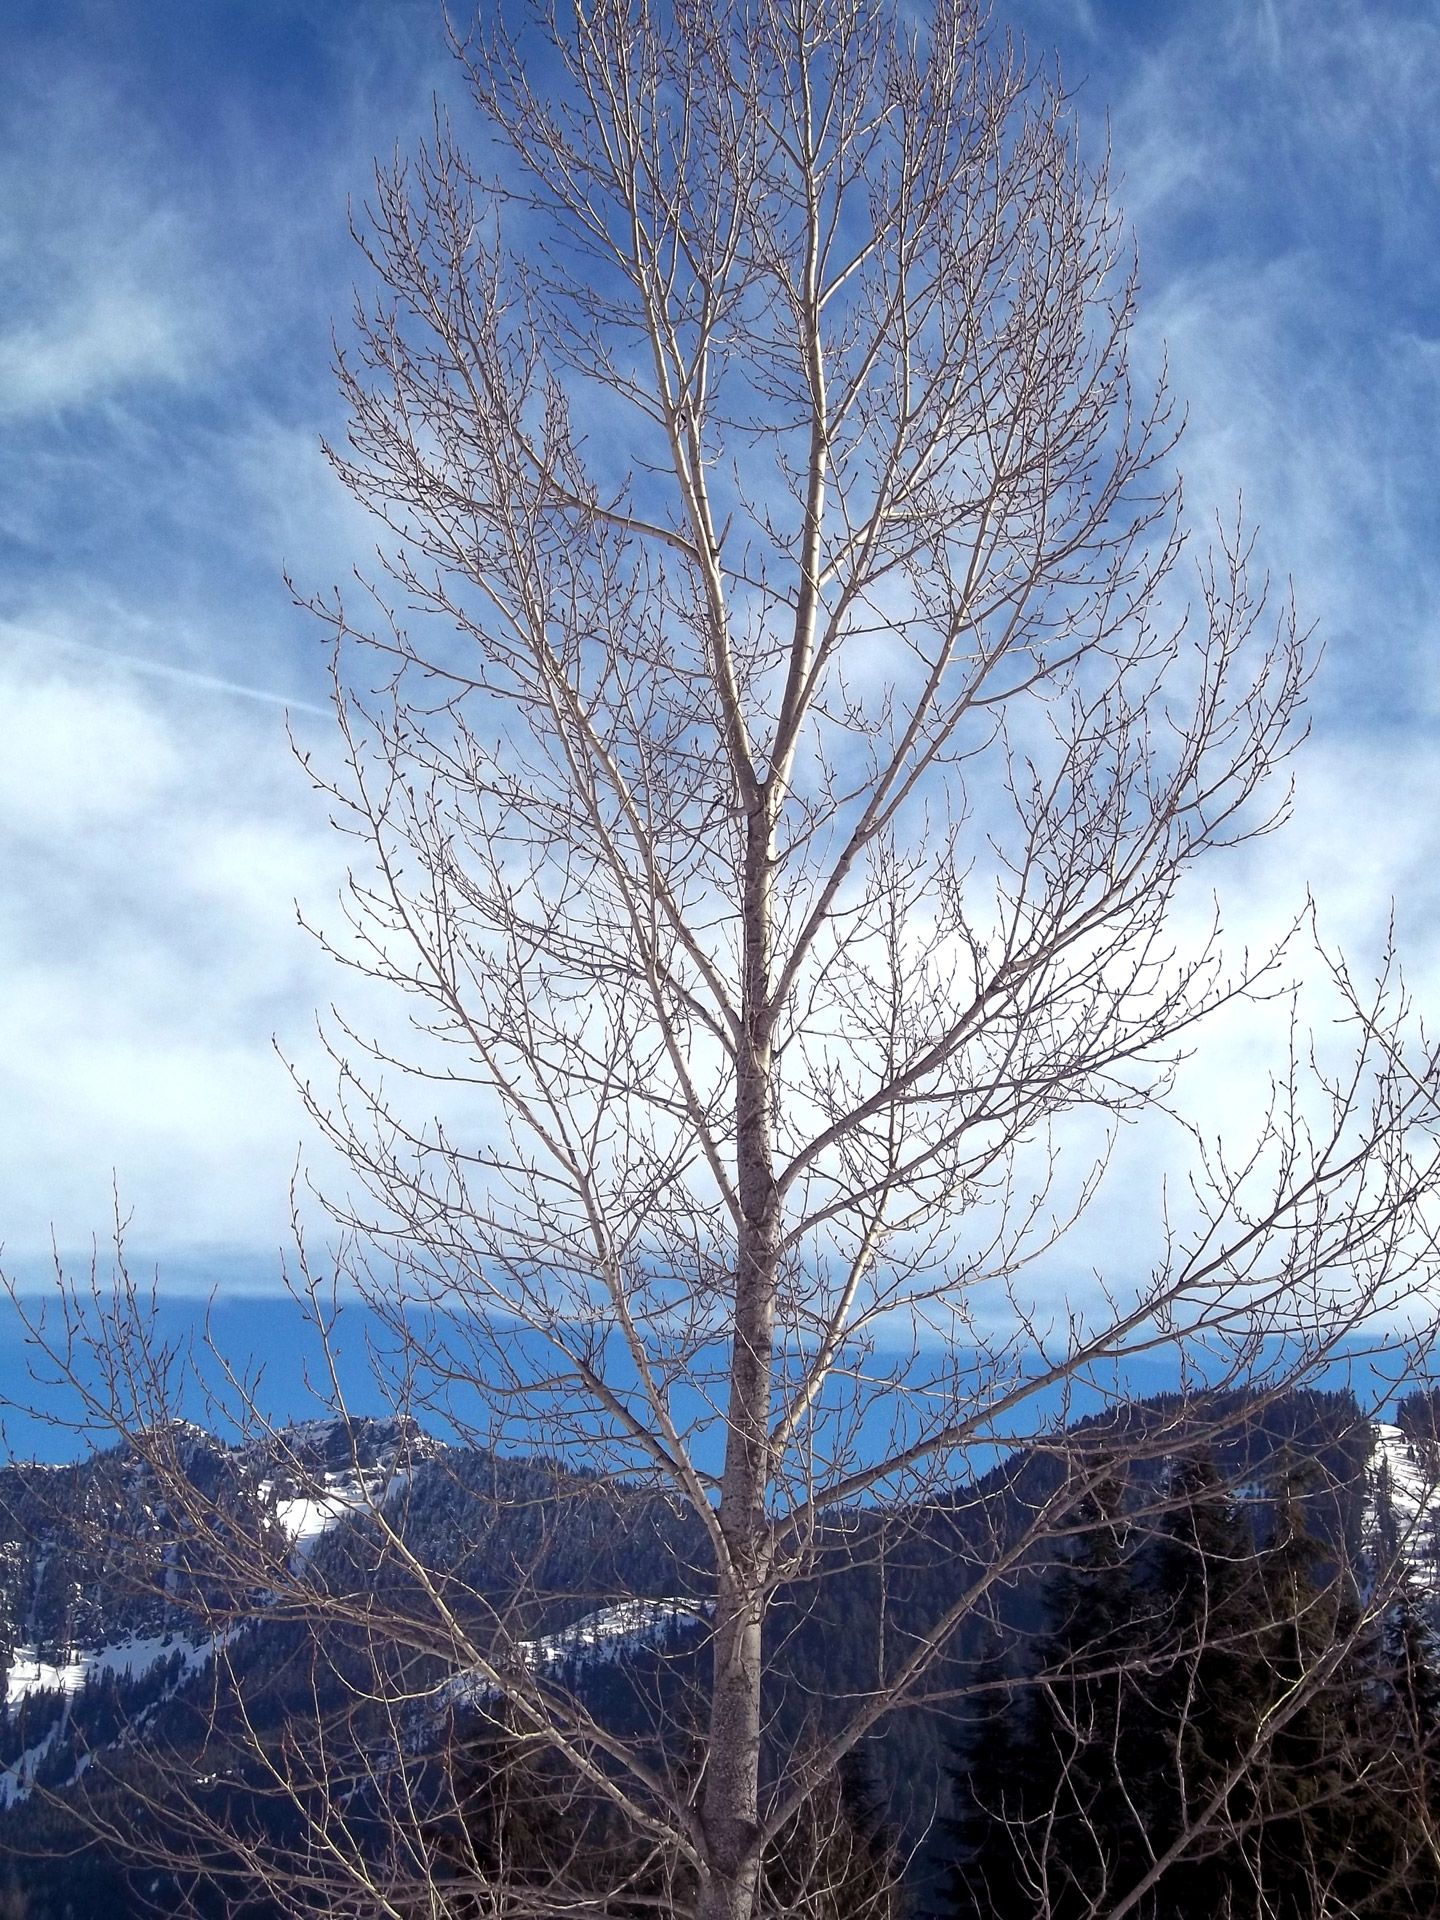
(772, 764)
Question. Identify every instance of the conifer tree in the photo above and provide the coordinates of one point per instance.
(1192, 1717)
(1343, 1804)
(1049, 1822)
(1209, 1696)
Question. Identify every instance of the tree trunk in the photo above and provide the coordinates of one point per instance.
(730, 1808)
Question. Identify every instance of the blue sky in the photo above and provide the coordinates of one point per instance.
(173, 185)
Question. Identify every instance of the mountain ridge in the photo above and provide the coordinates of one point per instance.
(600, 1582)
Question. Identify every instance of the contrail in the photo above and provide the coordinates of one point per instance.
(163, 670)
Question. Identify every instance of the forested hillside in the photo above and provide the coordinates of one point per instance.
(1056, 1752)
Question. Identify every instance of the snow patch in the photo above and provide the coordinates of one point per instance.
(1411, 1486)
(16, 1778)
(128, 1659)
(608, 1635)
(306, 1517)
(613, 1632)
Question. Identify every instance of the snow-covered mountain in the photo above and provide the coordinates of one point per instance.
(97, 1648)
(604, 1637)
(66, 1621)
(90, 1600)
(89, 1565)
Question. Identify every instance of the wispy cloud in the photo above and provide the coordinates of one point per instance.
(1280, 163)
(163, 380)
(104, 284)
(155, 840)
